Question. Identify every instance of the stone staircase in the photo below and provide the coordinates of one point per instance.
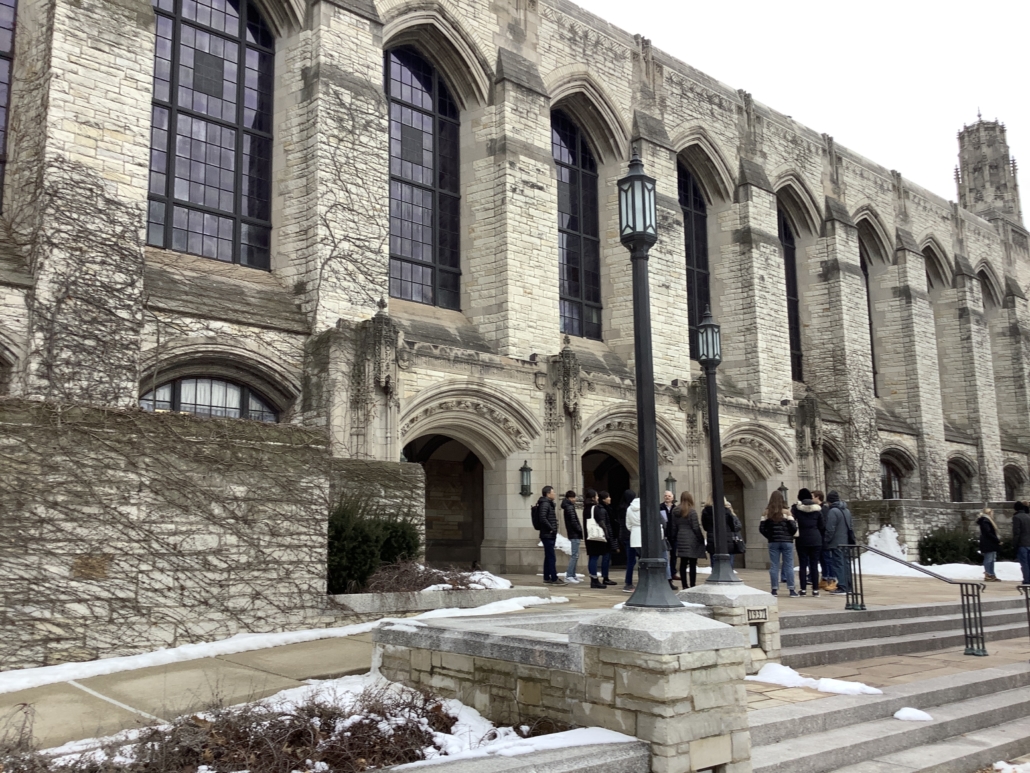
(979, 717)
(826, 637)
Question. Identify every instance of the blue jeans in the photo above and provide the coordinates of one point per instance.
(631, 563)
(550, 569)
(606, 563)
(573, 559)
(781, 552)
(989, 559)
(835, 563)
(1023, 556)
(826, 559)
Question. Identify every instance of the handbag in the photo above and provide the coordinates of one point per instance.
(594, 531)
(737, 544)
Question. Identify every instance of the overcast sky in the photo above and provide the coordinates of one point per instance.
(893, 81)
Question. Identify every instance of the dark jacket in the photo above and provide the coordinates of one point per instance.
(600, 514)
(990, 542)
(732, 525)
(1021, 527)
(778, 531)
(685, 535)
(811, 523)
(548, 518)
(572, 527)
(837, 517)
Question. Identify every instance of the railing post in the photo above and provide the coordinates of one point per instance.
(856, 590)
(1025, 590)
(972, 619)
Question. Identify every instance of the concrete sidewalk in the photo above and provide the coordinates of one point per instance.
(107, 704)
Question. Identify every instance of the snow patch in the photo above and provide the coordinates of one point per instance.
(1008, 767)
(886, 539)
(912, 715)
(774, 673)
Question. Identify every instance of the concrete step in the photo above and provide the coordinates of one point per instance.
(850, 744)
(958, 754)
(878, 629)
(843, 652)
(791, 620)
(769, 726)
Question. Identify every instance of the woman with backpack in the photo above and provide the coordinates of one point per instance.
(990, 542)
(686, 538)
(779, 527)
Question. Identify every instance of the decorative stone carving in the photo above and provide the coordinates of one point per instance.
(540, 381)
(553, 420)
(488, 412)
(761, 448)
(571, 387)
(625, 426)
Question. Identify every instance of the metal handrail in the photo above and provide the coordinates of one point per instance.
(969, 595)
(1025, 590)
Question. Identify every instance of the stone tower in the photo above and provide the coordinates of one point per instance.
(986, 175)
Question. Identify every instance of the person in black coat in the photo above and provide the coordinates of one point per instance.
(1021, 538)
(548, 534)
(732, 527)
(990, 542)
(811, 530)
(779, 527)
(574, 532)
(686, 538)
(597, 550)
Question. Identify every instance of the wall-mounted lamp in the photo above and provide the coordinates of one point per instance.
(526, 474)
(670, 484)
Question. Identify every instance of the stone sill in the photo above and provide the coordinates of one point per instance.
(423, 601)
(614, 757)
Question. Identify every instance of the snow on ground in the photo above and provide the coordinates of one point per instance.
(886, 539)
(472, 735)
(23, 679)
(774, 673)
(912, 715)
(477, 581)
(1008, 767)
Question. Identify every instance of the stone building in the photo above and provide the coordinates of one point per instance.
(396, 222)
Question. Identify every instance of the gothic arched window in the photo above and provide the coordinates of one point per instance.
(425, 264)
(890, 480)
(7, 13)
(869, 313)
(579, 245)
(695, 232)
(790, 266)
(211, 136)
(957, 481)
(210, 397)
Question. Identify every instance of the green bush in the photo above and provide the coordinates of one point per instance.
(949, 546)
(361, 537)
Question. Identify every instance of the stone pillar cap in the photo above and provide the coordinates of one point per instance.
(727, 594)
(659, 631)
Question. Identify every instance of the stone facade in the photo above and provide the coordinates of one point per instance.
(127, 531)
(475, 394)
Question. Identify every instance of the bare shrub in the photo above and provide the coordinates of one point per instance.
(411, 576)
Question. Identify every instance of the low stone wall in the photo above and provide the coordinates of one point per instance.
(421, 601)
(125, 531)
(669, 677)
(913, 518)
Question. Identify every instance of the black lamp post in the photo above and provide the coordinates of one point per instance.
(638, 230)
(709, 354)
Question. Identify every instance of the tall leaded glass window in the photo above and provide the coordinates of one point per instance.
(7, 12)
(695, 232)
(869, 312)
(211, 138)
(579, 245)
(424, 204)
(793, 304)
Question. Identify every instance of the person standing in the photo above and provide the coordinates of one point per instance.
(779, 527)
(732, 525)
(811, 528)
(574, 532)
(1021, 538)
(836, 536)
(548, 534)
(598, 551)
(824, 555)
(605, 511)
(686, 538)
(666, 509)
(633, 549)
(990, 542)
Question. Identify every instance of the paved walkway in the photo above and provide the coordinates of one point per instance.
(106, 704)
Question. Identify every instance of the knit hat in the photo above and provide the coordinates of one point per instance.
(804, 494)
(1021, 507)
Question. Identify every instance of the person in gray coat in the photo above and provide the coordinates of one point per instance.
(838, 526)
(1021, 538)
(686, 538)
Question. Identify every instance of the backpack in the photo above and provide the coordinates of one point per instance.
(534, 514)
